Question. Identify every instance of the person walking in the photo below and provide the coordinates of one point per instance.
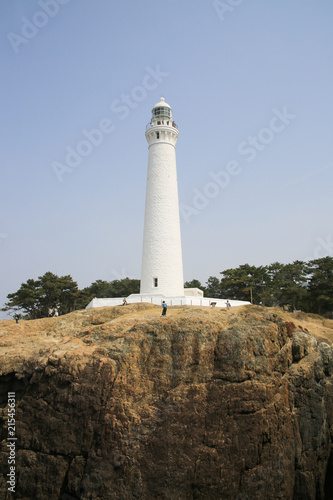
(164, 308)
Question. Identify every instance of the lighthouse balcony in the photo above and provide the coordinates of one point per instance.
(167, 123)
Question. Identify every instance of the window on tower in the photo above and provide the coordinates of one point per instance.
(155, 282)
(157, 135)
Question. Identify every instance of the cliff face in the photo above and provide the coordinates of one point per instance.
(119, 403)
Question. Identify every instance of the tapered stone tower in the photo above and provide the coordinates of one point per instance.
(162, 266)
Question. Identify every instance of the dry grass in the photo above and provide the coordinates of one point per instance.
(79, 321)
(318, 326)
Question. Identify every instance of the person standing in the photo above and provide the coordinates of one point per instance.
(164, 308)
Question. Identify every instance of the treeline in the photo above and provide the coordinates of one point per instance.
(306, 286)
(37, 298)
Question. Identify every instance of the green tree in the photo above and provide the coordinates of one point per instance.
(34, 298)
(213, 288)
(99, 289)
(321, 285)
(290, 284)
(83, 298)
(125, 287)
(271, 294)
(26, 299)
(60, 292)
(244, 283)
(107, 289)
(194, 284)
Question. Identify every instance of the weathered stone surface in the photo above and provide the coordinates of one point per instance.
(119, 403)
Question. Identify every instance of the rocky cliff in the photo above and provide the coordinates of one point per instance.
(119, 403)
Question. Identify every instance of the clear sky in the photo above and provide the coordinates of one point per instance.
(250, 84)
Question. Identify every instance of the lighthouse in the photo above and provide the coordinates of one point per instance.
(162, 265)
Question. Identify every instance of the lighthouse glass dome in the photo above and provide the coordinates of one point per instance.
(161, 110)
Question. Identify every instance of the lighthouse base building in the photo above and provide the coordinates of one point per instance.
(185, 300)
(162, 265)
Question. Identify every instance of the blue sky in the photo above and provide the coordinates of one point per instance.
(250, 84)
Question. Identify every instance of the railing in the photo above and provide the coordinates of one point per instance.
(162, 122)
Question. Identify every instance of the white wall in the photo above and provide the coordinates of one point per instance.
(162, 253)
(171, 301)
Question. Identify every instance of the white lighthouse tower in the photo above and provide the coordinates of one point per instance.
(162, 265)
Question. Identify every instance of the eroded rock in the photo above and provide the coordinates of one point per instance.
(197, 405)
